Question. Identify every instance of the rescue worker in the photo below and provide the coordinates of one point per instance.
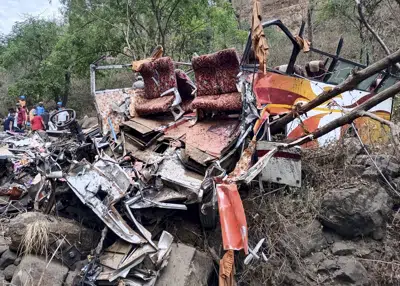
(62, 117)
(22, 101)
(40, 109)
(37, 122)
(9, 122)
(21, 116)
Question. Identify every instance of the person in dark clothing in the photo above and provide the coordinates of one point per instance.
(22, 117)
(9, 122)
(46, 117)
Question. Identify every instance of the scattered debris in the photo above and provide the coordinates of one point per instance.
(166, 146)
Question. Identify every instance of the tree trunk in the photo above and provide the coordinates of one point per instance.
(375, 34)
(352, 115)
(349, 84)
(310, 25)
(67, 88)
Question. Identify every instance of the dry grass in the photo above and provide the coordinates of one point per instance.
(36, 239)
(274, 214)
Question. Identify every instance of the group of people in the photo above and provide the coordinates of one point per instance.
(36, 119)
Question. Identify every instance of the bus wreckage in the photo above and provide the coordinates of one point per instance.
(171, 140)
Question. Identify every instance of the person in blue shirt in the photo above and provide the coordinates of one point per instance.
(9, 122)
(40, 109)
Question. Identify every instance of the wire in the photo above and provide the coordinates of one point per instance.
(373, 161)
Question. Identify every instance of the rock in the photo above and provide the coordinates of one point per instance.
(356, 210)
(186, 267)
(4, 244)
(84, 238)
(388, 164)
(3, 279)
(341, 248)
(7, 258)
(69, 280)
(328, 265)
(331, 236)
(352, 148)
(73, 275)
(3, 248)
(293, 278)
(9, 272)
(305, 240)
(363, 252)
(32, 269)
(317, 257)
(351, 271)
(17, 261)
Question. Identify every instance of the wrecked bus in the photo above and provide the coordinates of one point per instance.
(289, 83)
(185, 131)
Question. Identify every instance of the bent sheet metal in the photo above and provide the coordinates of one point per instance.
(99, 191)
(232, 218)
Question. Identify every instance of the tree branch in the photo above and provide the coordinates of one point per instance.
(351, 116)
(349, 84)
(170, 14)
(368, 26)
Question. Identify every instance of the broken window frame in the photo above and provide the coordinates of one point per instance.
(335, 59)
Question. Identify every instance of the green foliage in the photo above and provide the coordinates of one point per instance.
(45, 59)
(24, 54)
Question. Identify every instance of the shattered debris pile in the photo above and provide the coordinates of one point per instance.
(60, 190)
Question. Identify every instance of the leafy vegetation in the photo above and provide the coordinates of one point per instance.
(49, 60)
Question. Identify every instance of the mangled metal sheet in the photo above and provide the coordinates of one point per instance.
(154, 198)
(284, 167)
(99, 191)
(173, 171)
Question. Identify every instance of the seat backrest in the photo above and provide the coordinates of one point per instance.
(185, 84)
(216, 73)
(158, 77)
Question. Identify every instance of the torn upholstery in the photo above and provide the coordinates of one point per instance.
(216, 76)
(158, 76)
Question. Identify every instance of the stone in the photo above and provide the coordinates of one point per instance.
(70, 279)
(341, 248)
(186, 267)
(17, 261)
(352, 148)
(4, 244)
(9, 272)
(356, 210)
(363, 252)
(293, 278)
(32, 270)
(305, 240)
(328, 265)
(389, 165)
(7, 258)
(84, 238)
(3, 281)
(351, 271)
(3, 248)
(317, 257)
